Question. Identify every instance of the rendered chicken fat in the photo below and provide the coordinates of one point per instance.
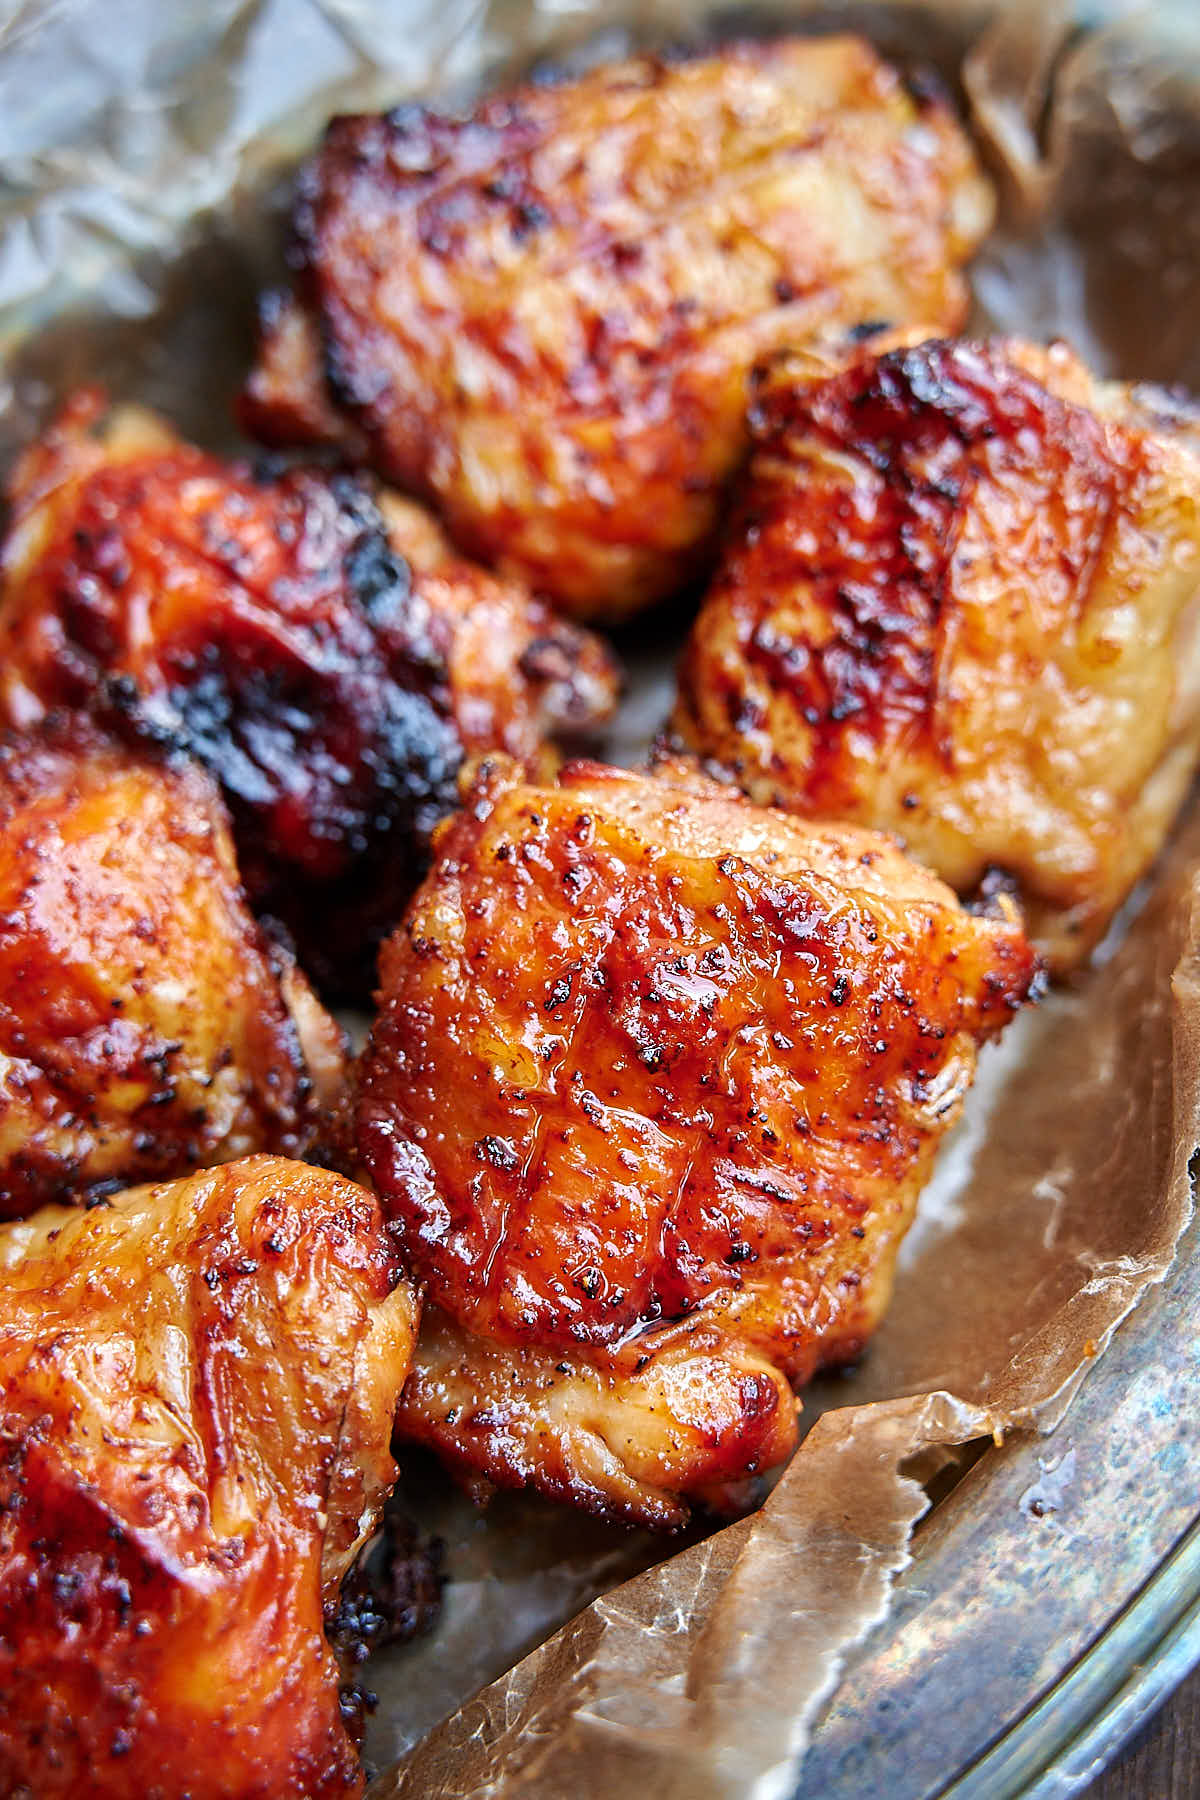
(196, 1394)
(541, 316)
(651, 1060)
(961, 601)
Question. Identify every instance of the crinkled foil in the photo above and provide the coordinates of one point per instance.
(144, 156)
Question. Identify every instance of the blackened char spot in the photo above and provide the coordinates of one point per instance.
(323, 712)
(393, 1592)
(381, 578)
(868, 328)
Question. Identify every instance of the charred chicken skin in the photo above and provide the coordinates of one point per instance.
(147, 1026)
(962, 603)
(196, 1394)
(541, 315)
(272, 628)
(656, 1079)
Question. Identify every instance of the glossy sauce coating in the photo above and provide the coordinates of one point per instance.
(196, 1392)
(645, 1051)
(961, 601)
(147, 1026)
(541, 316)
(269, 626)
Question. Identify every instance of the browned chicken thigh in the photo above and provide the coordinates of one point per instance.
(656, 1080)
(269, 626)
(147, 1026)
(961, 602)
(541, 315)
(196, 1393)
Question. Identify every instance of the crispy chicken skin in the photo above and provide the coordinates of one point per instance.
(686, 1414)
(270, 627)
(961, 603)
(196, 1393)
(541, 316)
(147, 1026)
(656, 1079)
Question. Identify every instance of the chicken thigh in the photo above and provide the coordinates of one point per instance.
(656, 1080)
(961, 602)
(196, 1393)
(267, 625)
(147, 1025)
(541, 315)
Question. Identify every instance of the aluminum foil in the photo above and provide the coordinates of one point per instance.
(145, 152)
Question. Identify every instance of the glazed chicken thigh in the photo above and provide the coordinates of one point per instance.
(655, 1083)
(147, 1026)
(541, 315)
(961, 602)
(196, 1394)
(268, 625)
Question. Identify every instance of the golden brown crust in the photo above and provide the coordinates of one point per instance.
(683, 1410)
(961, 602)
(187, 1462)
(147, 1027)
(269, 627)
(646, 1053)
(542, 316)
